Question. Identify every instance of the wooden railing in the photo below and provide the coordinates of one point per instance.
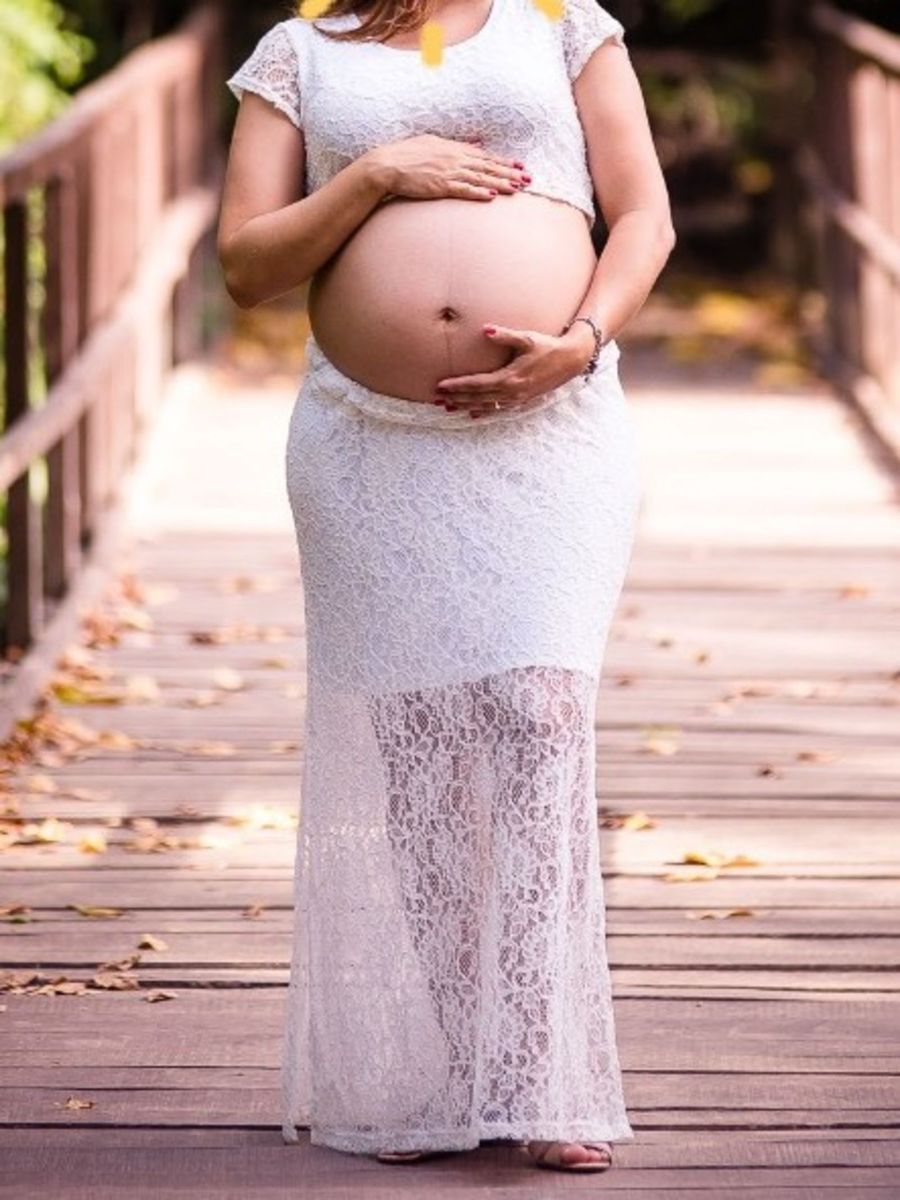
(107, 220)
(852, 169)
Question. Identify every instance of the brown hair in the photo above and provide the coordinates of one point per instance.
(384, 19)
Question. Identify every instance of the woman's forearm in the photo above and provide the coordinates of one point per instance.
(635, 253)
(271, 254)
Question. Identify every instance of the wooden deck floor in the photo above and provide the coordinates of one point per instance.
(749, 708)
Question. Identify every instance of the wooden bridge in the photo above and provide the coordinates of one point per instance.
(748, 749)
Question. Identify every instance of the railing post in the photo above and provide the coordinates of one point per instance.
(63, 513)
(24, 612)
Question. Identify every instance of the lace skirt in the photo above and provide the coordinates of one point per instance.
(449, 979)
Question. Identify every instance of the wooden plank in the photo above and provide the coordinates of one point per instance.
(782, 1036)
(137, 887)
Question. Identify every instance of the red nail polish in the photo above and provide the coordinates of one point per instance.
(493, 191)
(526, 178)
(520, 165)
(490, 329)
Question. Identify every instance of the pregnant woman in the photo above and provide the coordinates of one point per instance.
(462, 472)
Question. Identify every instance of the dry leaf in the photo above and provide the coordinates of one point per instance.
(74, 1103)
(142, 687)
(123, 964)
(149, 942)
(115, 981)
(96, 911)
(720, 914)
(263, 816)
(698, 875)
(41, 784)
(157, 996)
(253, 911)
(93, 843)
(661, 739)
(228, 679)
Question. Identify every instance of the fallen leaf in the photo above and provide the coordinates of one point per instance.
(699, 875)
(122, 964)
(824, 756)
(74, 1103)
(93, 843)
(253, 911)
(115, 981)
(147, 941)
(157, 996)
(228, 679)
(720, 914)
(96, 911)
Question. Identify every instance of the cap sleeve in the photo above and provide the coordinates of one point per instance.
(273, 72)
(584, 27)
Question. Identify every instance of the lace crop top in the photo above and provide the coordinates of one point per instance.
(510, 83)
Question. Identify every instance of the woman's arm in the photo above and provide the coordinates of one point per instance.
(269, 239)
(630, 188)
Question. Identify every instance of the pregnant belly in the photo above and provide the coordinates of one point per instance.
(403, 303)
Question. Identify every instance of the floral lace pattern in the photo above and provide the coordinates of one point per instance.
(449, 976)
(511, 84)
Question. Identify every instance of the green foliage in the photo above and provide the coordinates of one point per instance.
(681, 11)
(40, 60)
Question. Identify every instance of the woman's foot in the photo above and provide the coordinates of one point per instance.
(571, 1156)
(403, 1156)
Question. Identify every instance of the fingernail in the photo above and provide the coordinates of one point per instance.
(490, 329)
(526, 178)
(520, 165)
(493, 191)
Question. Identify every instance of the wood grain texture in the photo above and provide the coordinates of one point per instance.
(749, 707)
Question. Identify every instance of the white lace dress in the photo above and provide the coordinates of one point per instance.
(449, 978)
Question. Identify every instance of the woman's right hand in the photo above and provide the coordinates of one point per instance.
(429, 167)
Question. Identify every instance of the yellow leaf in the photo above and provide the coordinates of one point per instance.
(638, 820)
(142, 687)
(96, 911)
(157, 996)
(149, 942)
(42, 784)
(706, 858)
(75, 1102)
(227, 679)
(741, 860)
(700, 875)
(93, 843)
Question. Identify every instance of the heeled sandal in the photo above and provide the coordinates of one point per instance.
(404, 1156)
(540, 1159)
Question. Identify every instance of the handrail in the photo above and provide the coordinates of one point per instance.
(119, 194)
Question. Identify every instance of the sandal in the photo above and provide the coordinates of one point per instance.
(541, 1157)
(404, 1156)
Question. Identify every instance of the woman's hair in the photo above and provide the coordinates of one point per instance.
(385, 18)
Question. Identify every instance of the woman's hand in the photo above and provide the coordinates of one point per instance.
(429, 167)
(540, 363)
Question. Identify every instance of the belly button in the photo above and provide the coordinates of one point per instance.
(449, 314)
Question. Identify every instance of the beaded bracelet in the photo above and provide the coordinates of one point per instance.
(591, 365)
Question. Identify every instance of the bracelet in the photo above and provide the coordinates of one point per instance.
(599, 339)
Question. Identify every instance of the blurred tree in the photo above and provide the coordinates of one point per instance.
(41, 61)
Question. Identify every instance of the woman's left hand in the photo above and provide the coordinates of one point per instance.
(541, 362)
